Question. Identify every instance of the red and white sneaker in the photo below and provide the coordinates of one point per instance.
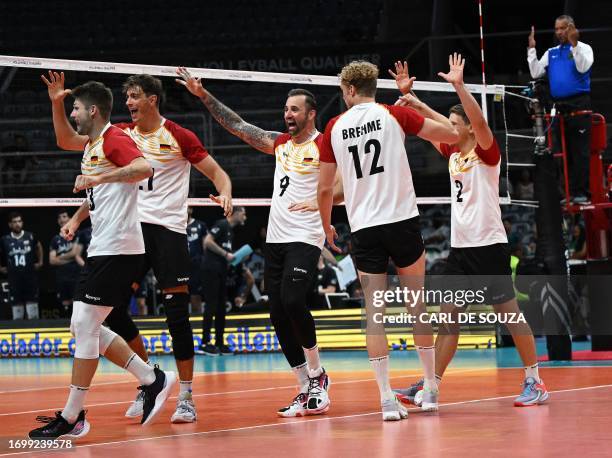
(318, 397)
(297, 408)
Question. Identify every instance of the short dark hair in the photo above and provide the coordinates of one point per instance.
(566, 17)
(95, 93)
(61, 211)
(13, 215)
(149, 85)
(238, 209)
(459, 111)
(311, 101)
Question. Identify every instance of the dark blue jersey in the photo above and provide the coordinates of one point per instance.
(83, 237)
(62, 246)
(19, 253)
(196, 231)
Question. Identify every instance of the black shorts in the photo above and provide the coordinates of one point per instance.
(23, 287)
(293, 262)
(65, 288)
(195, 277)
(109, 280)
(400, 241)
(167, 253)
(484, 268)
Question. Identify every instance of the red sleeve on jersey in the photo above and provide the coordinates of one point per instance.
(190, 144)
(281, 140)
(489, 156)
(409, 119)
(446, 150)
(119, 148)
(326, 152)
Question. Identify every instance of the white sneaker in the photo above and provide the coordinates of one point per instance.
(185, 409)
(393, 410)
(318, 394)
(429, 400)
(297, 408)
(135, 409)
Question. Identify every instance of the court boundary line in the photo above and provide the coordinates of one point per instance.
(300, 422)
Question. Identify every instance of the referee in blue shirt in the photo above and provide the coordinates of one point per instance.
(568, 66)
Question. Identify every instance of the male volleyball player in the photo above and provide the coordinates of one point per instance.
(111, 167)
(366, 143)
(293, 241)
(162, 205)
(479, 245)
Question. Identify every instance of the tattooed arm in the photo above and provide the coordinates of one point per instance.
(260, 139)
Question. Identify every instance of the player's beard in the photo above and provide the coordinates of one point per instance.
(83, 127)
(297, 129)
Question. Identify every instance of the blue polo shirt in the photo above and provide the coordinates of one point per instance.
(565, 80)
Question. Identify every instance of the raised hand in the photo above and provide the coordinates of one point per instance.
(69, 229)
(85, 181)
(455, 72)
(409, 100)
(55, 86)
(572, 34)
(531, 39)
(193, 84)
(402, 78)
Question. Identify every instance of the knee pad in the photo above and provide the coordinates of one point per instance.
(85, 326)
(177, 318)
(120, 321)
(106, 338)
(293, 299)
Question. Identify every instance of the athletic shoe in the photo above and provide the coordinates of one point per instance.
(533, 393)
(135, 409)
(393, 410)
(209, 350)
(318, 397)
(428, 400)
(59, 428)
(297, 408)
(407, 395)
(185, 409)
(224, 350)
(156, 394)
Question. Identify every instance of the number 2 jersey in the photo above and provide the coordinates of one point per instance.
(296, 178)
(170, 149)
(367, 143)
(475, 214)
(113, 207)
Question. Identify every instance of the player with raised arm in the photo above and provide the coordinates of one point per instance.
(366, 144)
(479, 246)
(171, 150)
(111, 168)
(294, 240)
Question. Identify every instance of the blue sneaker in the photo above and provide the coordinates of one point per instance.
(407, 395)
(534, 393)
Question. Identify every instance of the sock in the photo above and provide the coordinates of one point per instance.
(381, 371)
(438, 380)
(532, 371)
(427, 355)
(314, 363)
(301, 373)
(185, 387)
(74, 405)
(139, 369)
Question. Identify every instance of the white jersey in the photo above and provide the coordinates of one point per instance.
(367, 143)
(296, 178)
(475, 213)
(113, 207)
(170, 149)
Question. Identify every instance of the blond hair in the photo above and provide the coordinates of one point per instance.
(362, 75)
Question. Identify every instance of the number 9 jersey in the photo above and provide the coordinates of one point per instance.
(296, 178)
(367, 143)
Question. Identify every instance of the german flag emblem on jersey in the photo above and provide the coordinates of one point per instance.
(165, 148)
(308, 159)
(94, 158)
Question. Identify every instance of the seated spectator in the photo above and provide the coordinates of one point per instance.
(440, 234)
(577, 244)
(524, 188)
(513, 237)
(326, 282)
(18, 164)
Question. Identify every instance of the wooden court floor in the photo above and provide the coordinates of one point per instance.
(237, 417)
